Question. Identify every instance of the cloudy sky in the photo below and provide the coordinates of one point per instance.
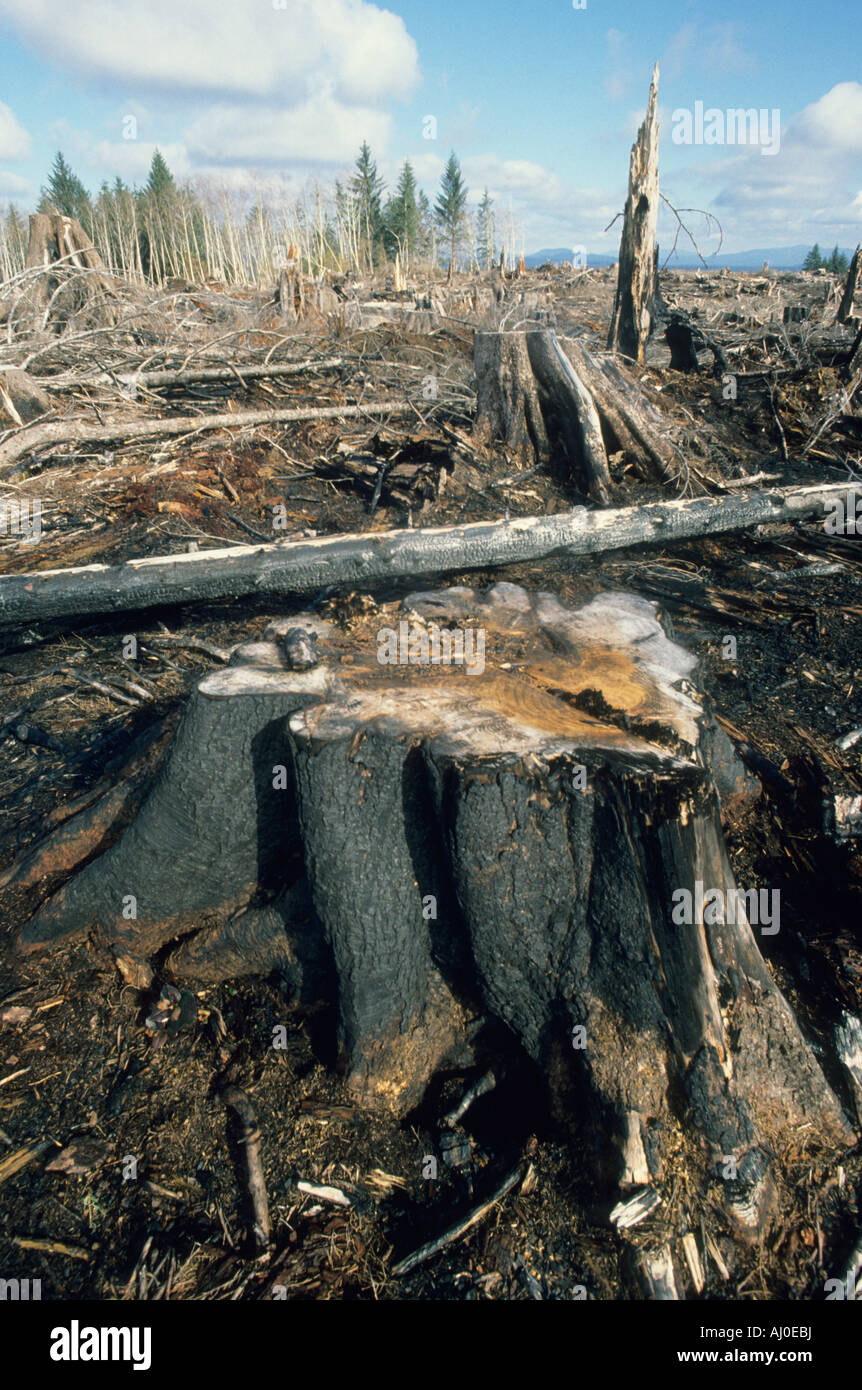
(540, 100)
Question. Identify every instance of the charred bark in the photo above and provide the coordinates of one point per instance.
(445, 843)
(308, 566)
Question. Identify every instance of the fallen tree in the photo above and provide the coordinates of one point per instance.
(187, 376)
(72, 431)
(308, 566)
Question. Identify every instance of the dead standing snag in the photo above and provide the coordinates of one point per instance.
(636, 278)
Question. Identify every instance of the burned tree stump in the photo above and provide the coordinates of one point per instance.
(479, 805)
(636, 277)
(542, 396)
(679, 337)
(530, 397)
(508, 407)
(297, 298)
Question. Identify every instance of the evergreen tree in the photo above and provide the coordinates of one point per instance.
(485, 231)
(367, 188)
(451, 208)
(402, 216)
(813, 260)
(427, 241)
(65, 193)
(837, 262)
(160, 183)
(162, 231)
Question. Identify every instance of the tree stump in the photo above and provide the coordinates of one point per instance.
(75, 284)
(478, 805)
(530, 397)
(22, 399)
(636, 277)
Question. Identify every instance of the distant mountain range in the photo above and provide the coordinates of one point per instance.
(778, 258)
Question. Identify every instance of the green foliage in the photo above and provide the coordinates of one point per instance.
(450, 209)
(836, 262)
(164, 228)
(402, 216)
(160, 183)
(65, 193)
(367, 188)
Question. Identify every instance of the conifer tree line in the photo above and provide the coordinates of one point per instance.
(836, 262)
(167, 229)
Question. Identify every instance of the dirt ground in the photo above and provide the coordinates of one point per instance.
(157, 1209)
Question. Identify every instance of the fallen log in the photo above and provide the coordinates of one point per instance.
(309, 566)
(72, 431)
(191, 375)
(501, 826)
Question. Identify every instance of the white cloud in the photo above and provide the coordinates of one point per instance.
(809, 189)
(14, 139)
(518, 178)
(13, 186)
(244, 49)
(834, 121)
(320, 129)
(131, 159)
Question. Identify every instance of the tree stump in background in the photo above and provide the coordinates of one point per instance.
(473, 806)
(75, 284)
(545, 397)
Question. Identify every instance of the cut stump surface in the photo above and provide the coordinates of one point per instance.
(475, 805)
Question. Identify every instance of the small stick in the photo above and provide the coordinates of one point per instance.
(244, 526)
(194, 644)
(479, 1088)
(249, 1137)
(432, 1247)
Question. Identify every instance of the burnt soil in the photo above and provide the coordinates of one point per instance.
(159, 1210)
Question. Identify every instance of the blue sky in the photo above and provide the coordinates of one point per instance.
(541, 102)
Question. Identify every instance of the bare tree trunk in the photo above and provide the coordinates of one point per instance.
(847, 309)
(308, 566)
(636, 276)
